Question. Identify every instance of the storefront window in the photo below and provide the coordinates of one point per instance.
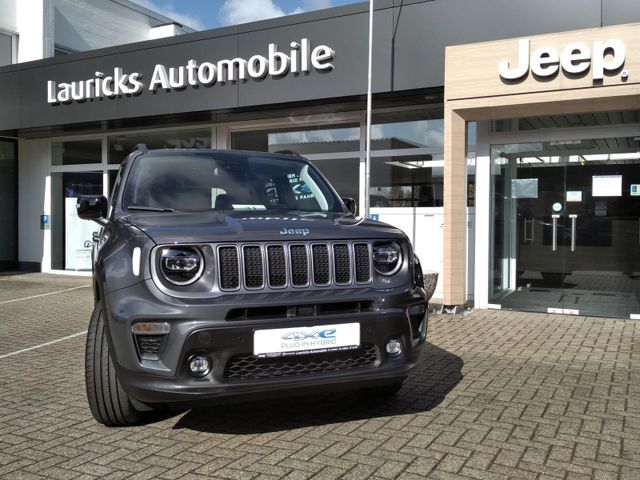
(6, 49)
(76, 152)
(471, 163)
(305, 142)
(122, 145)
(407, 181)
(113, 175)
(322, 146)
(414, 129)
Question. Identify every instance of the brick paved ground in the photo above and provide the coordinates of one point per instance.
(498, 395)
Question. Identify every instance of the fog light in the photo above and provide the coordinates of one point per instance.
(199, 365)
(394, 347)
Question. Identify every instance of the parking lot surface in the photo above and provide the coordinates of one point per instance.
(497, 395)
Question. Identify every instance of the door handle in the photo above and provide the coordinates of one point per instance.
(528, 222)
(573, 231)
(554, 245)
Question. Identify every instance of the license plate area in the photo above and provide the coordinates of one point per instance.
(305, 340)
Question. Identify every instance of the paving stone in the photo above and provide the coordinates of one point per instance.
(365, 472)
(496, 395)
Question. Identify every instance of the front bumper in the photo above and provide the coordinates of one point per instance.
(208, 328)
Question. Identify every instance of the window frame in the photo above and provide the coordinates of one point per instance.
(14, 46)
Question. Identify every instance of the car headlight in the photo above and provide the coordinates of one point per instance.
(181, 265)
(387, 257)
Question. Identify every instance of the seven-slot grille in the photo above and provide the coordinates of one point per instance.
(281, 265)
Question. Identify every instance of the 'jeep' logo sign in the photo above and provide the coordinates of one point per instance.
(295, 231)
(604, 57)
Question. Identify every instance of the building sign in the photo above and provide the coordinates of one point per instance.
(299, 58)
(524, 188)
(581, 61)
(604, 57)
(574, 196)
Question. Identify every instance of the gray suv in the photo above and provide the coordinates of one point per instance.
(232, 275)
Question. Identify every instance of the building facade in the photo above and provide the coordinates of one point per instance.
(470, 161)
(557, 169)
(35, 29)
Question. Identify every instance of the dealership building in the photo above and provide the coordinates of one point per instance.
(505, 135)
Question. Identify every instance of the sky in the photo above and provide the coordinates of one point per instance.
(206, 14)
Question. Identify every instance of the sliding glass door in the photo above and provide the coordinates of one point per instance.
(566, 227)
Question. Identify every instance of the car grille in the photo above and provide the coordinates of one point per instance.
(296, 265)
(250, 367)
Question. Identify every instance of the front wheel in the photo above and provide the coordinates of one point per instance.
(109, 403)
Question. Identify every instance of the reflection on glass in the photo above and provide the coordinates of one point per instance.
(76, 152)
(345, 138)
(338, 135)
(113, 175)
(416, 134)
(472, 131)
(500, 208)
(406, 181)
(226, 181)
(70, 236)
(6, 49)
(408, 129)
(122, 145)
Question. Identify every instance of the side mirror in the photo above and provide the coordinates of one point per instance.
(93, 207)
(350, 203)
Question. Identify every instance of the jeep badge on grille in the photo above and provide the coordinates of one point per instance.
(295, 231)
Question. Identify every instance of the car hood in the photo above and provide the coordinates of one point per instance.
(213, 227)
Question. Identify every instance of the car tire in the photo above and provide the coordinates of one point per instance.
(109, 403)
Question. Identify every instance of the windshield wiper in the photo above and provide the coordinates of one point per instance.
(143, 208)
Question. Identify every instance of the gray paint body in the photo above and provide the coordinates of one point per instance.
(204, 306)
(409, 42)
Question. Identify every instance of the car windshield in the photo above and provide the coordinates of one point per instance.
(229, 181)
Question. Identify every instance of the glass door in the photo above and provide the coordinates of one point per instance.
(9, 204)
(566, 227)
(72, 237)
